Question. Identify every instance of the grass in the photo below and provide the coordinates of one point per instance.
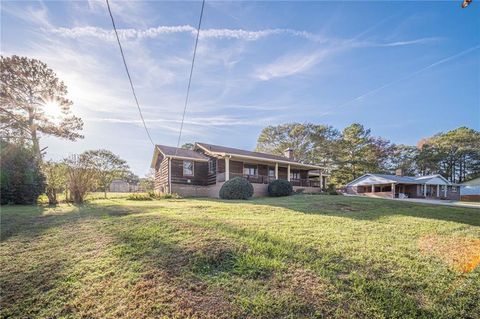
(297, 257)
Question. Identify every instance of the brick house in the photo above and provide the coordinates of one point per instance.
(203, 170)
(399, 186)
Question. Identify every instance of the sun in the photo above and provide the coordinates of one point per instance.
(52, 110)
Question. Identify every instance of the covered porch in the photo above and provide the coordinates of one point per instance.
(263, 172)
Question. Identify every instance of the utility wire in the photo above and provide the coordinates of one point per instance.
(128, 73)
(190, 78)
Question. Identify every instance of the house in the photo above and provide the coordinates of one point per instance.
(399, 186)
(470, 191)
(203, 170)
(122, 186)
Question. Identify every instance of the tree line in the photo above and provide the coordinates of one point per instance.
(354, 151)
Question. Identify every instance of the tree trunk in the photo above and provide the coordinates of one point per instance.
(105, 191)
(33, 131)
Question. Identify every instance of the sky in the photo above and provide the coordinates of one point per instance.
(404, 69)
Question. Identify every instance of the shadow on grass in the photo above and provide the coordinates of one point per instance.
(207, 253)
(366, 208)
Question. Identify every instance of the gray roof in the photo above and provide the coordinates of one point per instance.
(181, 152)
(398, 179)
(236, 151)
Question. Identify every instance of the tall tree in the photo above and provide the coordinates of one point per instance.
(108, 166)
(456, 153)
(33, 102)
(405, 157)
(310, 143)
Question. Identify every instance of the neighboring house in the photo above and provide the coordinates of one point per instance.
(203, 170)
(399, 186)
(121, 186)
(470, 190)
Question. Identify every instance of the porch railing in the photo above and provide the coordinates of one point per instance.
(262, 179)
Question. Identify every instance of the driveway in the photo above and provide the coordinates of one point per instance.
(441, 202)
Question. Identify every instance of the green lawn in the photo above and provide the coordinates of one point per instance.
(296, 257)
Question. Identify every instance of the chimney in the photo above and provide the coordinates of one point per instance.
(288, 153)
(399, 172)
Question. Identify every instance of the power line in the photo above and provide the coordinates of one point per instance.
(190, 78)
(128, 74)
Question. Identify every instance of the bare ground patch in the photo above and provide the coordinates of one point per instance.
(460, 253)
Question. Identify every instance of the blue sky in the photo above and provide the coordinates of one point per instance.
(406, 69)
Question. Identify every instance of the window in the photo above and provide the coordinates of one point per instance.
(211, 166)
(188, 168)
(454, 189)
(250, 170)
(294, 175)
(271, 172)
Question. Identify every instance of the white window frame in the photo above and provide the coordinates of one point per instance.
(292, 175)
(271, 170)
(193, 168)
(251, 167)
(211, 166)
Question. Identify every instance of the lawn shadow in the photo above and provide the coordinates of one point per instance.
(366, 208)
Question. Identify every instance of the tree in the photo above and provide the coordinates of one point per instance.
(188, 146)
(405, 157)
(81, 174)
(56, 178)
(454, 154)
(108, 167)
(147, 183)
(33, 102)
(20, 176)
(311, 143)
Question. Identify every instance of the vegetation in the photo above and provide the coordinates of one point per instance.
(354, 151)
(20, 176)
(56, 180)
(81, 176)
(236, 188)
(301, 256)
(107, 166)
(279, 187)
(33, 102)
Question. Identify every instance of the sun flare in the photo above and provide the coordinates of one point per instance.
(52, 110)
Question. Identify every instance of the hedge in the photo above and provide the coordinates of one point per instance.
(236, 188)
(279, 187)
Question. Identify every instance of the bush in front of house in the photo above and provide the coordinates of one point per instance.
(236, 188)
(280, 187)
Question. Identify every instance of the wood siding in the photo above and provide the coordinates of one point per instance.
(161, 175)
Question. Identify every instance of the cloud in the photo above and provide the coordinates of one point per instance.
(150, 33)
(291, 64)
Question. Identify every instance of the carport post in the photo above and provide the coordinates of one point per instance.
(425, 190)
(373, 188)
(393, 190)
(445, 191)
(438, 190)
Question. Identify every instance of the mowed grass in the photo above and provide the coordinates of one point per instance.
(303, 256)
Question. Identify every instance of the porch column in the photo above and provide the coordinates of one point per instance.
(288, 172)
(445, 191)
(276, 170)
(227, 168)
(393, 190)
(321, 179)
(425, 190)
(438, 190)
(373, 188)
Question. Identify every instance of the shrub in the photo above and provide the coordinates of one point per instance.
(331, 189)
(280, 187)
(21, 178)
(236, 188)
(139, 197)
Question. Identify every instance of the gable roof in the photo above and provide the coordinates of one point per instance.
(181, 153)
(472, 182)
(224, 151)
(402, 179)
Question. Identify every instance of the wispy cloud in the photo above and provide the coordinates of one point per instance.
(291, 64)
(149, 33)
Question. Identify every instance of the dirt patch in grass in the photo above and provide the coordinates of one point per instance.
(460, 253)
(336, 207)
